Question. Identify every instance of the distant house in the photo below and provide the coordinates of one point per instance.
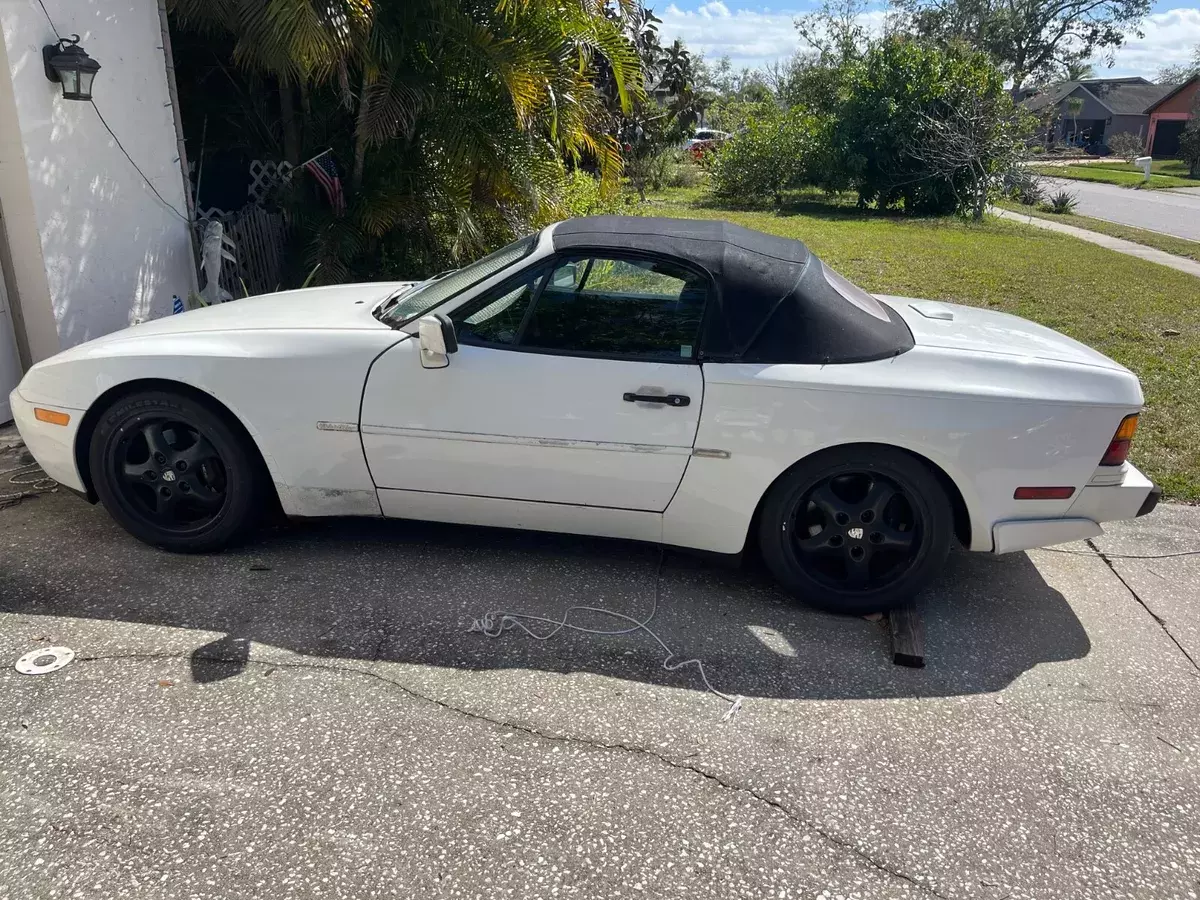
(1169, 116)
(1110, 106)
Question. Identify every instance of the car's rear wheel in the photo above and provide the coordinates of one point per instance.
(174, 472)
(857, 531)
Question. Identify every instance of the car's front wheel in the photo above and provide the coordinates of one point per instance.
(856, 531)
(174, 472)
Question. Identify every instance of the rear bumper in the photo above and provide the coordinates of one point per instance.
(53, 446)
(1151, 501)
(1134, 495)
(1110, 502)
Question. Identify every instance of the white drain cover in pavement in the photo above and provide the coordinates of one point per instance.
(48, 659)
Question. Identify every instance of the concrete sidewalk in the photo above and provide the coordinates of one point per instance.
(1141, 251)
(309, 716)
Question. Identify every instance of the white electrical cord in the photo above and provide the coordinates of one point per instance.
(496, 622)
(29, 476)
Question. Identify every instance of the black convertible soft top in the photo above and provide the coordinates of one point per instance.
(774, 302)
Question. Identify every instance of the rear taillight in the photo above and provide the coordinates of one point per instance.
(1118, 448)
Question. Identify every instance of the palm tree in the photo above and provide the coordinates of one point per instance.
(1074, 108)
(457, 117)
(1079, 70)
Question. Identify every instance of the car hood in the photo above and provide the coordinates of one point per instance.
(341, 306)
(955, 327)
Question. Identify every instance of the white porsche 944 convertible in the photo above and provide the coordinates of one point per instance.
(686, 382)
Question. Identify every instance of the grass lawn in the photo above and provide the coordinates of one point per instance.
(1165, 242)
(1176, 167)
(1123, 177)
(1120, 305)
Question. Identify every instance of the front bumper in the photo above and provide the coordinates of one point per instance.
(53, 446)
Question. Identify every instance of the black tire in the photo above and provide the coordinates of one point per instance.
(831, 518)
(202, 489)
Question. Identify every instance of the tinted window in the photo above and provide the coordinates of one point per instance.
(495, 317)
(617, 307)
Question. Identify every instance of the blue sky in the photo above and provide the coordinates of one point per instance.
(752, 34)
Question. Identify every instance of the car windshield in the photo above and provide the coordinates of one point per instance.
(425, 296)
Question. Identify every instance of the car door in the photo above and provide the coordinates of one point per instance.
(575, 382)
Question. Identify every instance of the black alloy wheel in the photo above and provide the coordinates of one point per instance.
(174, 471)
(857, 531)
(170, 473)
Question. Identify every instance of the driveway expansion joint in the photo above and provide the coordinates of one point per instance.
(1162, 623)
(795, 819)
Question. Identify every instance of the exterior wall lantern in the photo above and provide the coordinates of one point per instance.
(68, 64)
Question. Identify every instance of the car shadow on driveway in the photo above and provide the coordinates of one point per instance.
(409, 592)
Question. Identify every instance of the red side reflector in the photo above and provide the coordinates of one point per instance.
(1043, 493)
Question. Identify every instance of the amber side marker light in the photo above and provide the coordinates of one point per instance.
(51, 416)
(1043, 493)
(1118, 448)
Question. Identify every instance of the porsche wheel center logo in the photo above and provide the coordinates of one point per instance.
(169, 475)
(853, 533)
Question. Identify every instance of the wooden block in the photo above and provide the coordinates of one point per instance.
(908, 636)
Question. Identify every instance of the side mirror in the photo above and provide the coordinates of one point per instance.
(437, 340)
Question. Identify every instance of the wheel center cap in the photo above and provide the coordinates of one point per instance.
(854, 534)
(169, 475)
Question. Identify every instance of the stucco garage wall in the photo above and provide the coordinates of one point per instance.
(113, 253)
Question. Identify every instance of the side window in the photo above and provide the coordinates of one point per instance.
(496, 316)
(619, 307)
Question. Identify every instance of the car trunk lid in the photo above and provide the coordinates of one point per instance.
(952, 326)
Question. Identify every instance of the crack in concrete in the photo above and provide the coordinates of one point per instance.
(795, 819)
(1162, 623)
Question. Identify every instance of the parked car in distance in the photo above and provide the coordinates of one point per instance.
(704, 140)
(692, 383)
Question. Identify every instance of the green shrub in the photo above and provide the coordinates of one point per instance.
(1037, 149)
(1189, 146)
(928, 126)
(1024, 186)
(1063, 203)
(1126, 146)
(771, 156)
(584, 195)
(667, 168)
(685, 171)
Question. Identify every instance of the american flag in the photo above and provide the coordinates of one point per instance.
(324, 169)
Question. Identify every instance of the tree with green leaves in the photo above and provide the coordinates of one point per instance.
(930, 127)
(1030, 38)
(1182, 72)
(456, 119)
(1189, 141)
(1079, 70)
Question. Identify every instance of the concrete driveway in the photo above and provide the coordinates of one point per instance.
(1174, 212)
(308, 716)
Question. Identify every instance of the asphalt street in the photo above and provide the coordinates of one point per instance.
(1174, 212)
(310, 716)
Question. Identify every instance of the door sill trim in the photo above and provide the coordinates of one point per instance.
(528, 515)
(556, 443)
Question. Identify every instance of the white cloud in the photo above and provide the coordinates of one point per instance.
(1169, 39)
(754, 37)
(714, 10)
(747, 37)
